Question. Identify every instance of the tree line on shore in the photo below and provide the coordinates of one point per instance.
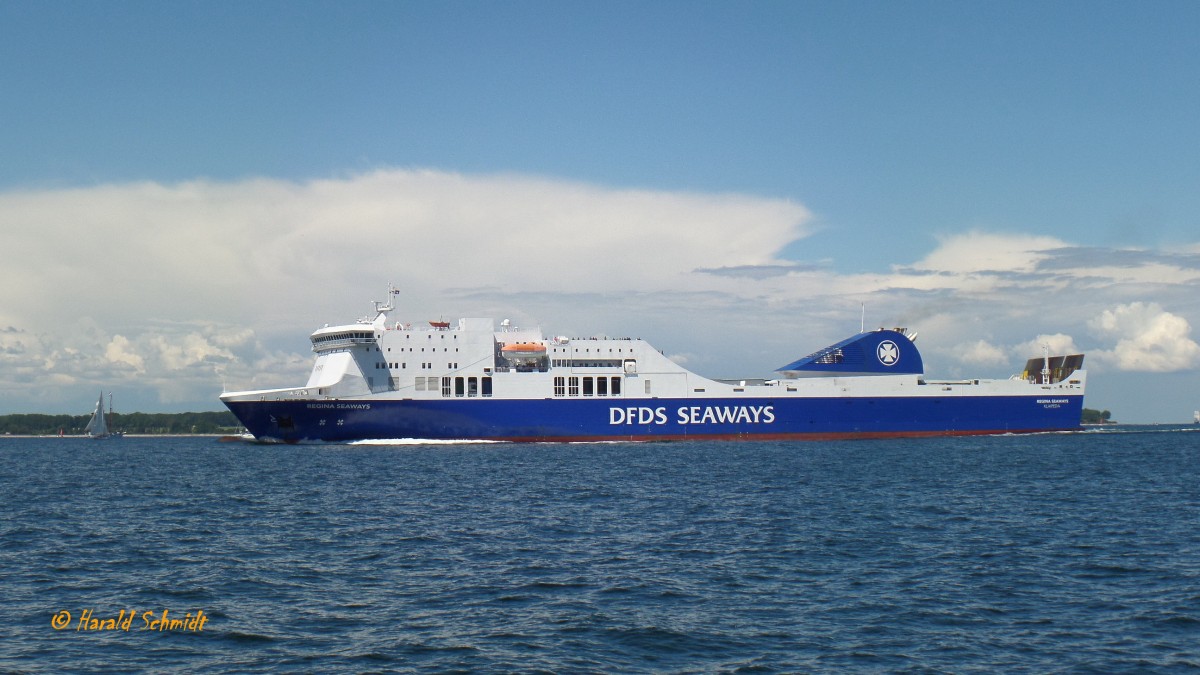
(1097, 417)
(131, 423)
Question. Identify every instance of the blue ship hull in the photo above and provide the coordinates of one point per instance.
(655, 419)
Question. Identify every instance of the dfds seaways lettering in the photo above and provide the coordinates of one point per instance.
(729, 414)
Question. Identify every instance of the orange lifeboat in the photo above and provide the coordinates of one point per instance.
(523, 350)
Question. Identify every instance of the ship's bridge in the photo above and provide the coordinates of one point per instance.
(341, 337)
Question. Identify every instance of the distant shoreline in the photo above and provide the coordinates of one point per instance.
(136, 423)
(88, 438)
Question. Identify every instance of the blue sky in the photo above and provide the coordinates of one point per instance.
(949, 164)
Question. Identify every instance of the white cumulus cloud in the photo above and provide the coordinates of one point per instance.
(1148, 338)
(978, 251)
(982, 352)
(1057, 344)
(121, 350)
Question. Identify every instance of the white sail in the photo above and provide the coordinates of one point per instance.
(97, 427)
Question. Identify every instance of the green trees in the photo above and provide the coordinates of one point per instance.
(1096, 417)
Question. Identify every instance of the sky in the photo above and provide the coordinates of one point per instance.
(189, 189)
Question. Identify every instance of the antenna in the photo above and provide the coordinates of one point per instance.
(862, 326)
(386, 305)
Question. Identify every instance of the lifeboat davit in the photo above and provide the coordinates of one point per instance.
(523, 350)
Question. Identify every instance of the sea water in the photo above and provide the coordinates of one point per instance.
(1073, 552)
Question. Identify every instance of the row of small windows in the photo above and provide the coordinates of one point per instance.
(432, 349)
(403, 365)
(589, 386)
(588, 350)
(586, 363)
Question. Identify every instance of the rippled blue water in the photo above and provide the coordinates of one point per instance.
(1061, 552)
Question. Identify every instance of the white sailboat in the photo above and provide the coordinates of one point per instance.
(99, 426)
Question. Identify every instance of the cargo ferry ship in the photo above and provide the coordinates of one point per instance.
(474, 379)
